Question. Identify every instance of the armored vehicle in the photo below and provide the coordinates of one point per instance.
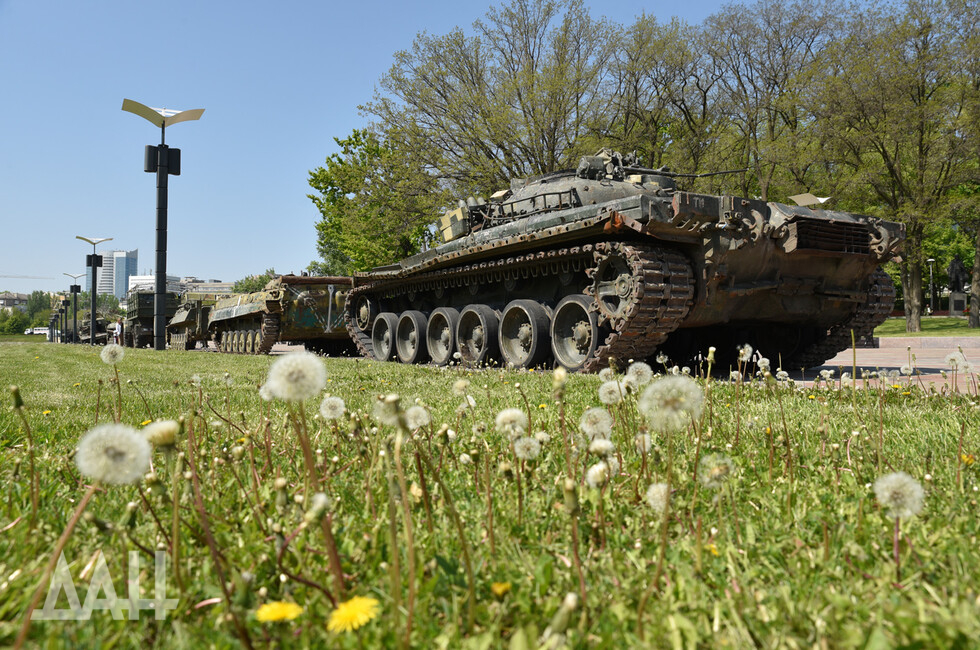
(189, 325)
(612, 261)
(291, 309)
(85, 331)
(138, 328)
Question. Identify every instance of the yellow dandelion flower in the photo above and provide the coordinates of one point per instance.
(46, 413)
(811, 397)
(145, 422)
(277, 611)
(712, 549)
(353, 614)
(77, 384)
(500, 589)
(542, 406)
(907, 392)
(968, 459)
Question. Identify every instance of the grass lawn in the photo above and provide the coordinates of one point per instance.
(468, 525)
(931, 326)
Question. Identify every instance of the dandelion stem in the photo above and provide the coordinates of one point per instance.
(35, 482)
(118, 395)
(895, 550)
(49, 569)
(409, 531)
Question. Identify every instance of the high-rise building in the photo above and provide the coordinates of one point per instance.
(117, 267)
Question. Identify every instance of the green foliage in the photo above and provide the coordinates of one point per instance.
(253, 283)
(793, 549)
(39, 301)
(14, 322)
(377, 203)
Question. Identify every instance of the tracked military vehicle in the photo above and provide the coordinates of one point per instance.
(189, 325)
(138, 328)
(291, 309)
(612, 261)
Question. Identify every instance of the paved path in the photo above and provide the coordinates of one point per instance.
(928, 355)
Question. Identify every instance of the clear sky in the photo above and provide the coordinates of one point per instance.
(278, 81)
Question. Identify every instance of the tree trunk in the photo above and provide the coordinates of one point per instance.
(912, 291)
(975, 285)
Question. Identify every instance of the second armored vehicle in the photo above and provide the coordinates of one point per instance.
(290, 309)
(612, 261)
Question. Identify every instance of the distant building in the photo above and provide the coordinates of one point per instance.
(197, 285)
(11, 301)
(117, 268)
(148, 282)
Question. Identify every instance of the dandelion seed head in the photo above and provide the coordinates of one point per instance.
(112, 354)
(511, 422)
(657, 497)
(745, 353)
(782, 375)
(670, 403)
(196, 380)
(611, 392)
(596, 423)
(715, 469)
(113, 453)
(602, 447)
(662, 358)
(763, 363)
(527, 448)
(417, 417)
(542, 437)
(386, 409)
(643, 443)
(899, 494)
(607, 374)
(460, 386)
(465, 459)
(641, 372)
(598, 475)
(296, 376)
(735, 375)
(318, 505)
(332, 408)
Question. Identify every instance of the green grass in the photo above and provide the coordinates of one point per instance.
(931, 326)
(794, 551)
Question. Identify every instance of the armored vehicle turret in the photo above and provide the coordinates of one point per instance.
(612, 262)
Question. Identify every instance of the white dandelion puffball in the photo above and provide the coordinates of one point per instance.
(670, 403)
(542, 437)
(598, 475)
(112, 354)
(527, 448)
(386, 409)
(643, 443)
(611, 392)
(596, 423)
(900, 494)
(657, 497)
(460, 386)
(296, 376)
(417, 417)
(715, 469)
(465, 459)
(113, 453)
(745, 353)
(641, 372)
(162, 433)
(332, 407)
(511, 422)
(602, 447)
(607, 374)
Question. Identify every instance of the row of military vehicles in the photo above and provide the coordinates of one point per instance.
(606, 263)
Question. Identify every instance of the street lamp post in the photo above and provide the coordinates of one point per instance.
(164, 161)
(64, 331)
(94, 262)
(932, 293)
(74, 290)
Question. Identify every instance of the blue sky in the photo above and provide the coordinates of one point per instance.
(278, 81)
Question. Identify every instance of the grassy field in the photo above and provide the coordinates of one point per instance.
(931, 326)
(772, 535)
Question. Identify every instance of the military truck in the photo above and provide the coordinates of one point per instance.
(611, 262)
(290, 309)
(138, 329)
(85, 331)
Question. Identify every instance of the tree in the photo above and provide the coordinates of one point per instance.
(377, 202)
(509, 101)
(893, 105)
(37, 302)
(251, 283)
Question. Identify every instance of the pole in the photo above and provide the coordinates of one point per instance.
(91, 316)
(160, 281)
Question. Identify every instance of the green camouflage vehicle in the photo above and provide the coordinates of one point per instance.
(612, 261)
(290, 309)
(189, 325)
